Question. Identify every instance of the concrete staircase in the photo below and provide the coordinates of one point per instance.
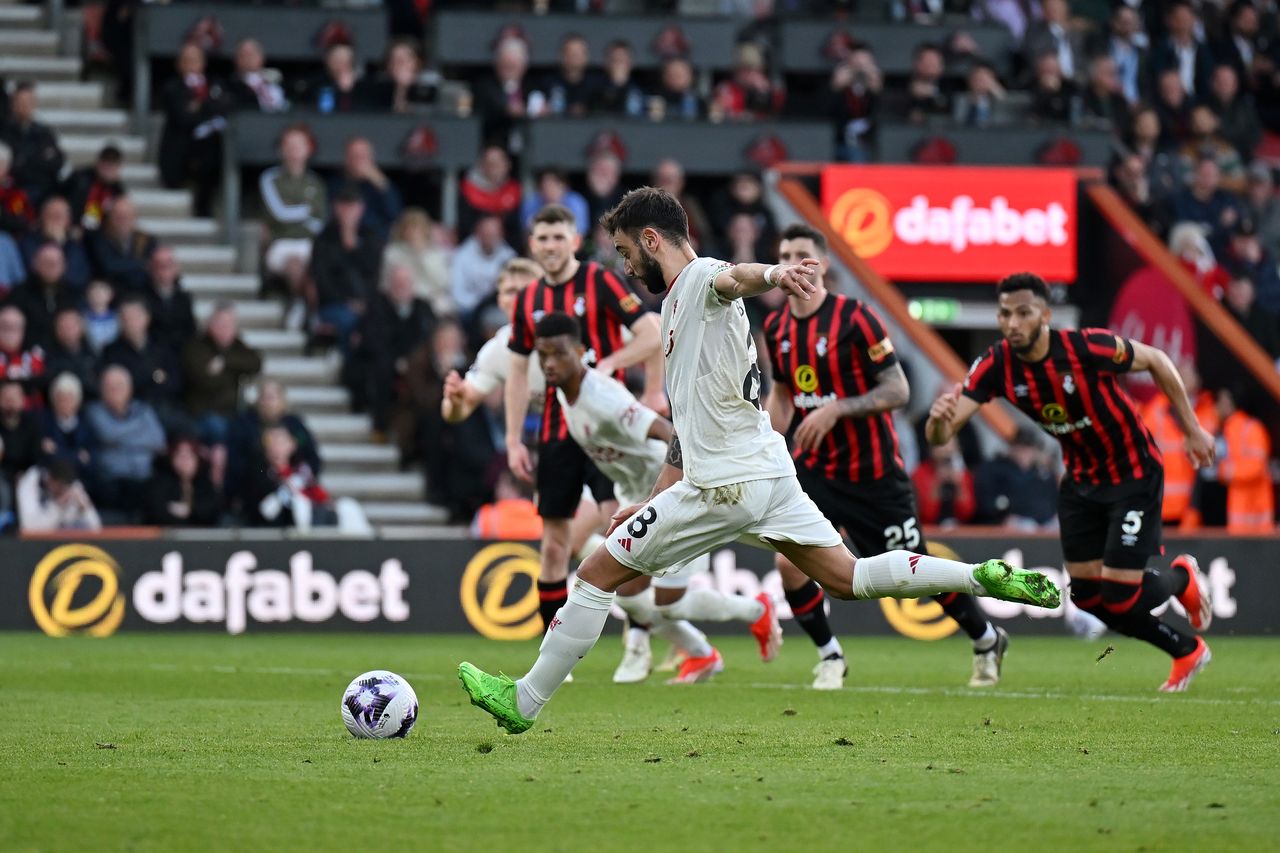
(214, 271)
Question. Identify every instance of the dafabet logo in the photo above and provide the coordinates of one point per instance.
(486, 586)
(75, 589)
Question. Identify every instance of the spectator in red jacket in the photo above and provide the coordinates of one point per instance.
(944, 487)
(16, 210)
(488, 189)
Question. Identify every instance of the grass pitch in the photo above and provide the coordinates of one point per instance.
(150, 742)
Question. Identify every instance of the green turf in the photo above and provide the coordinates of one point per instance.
(147, 742)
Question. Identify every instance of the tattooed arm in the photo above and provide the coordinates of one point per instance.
(890, 392)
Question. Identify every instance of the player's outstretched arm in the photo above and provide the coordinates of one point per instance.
(949, 413)
(516, 399)
(1199, 444)
(744, 280)
(461, 398)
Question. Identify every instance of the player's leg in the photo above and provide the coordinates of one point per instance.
(635, 598)
(560, 473)
(584, 531)
(676, 600)
(701, 659)
(808, 606)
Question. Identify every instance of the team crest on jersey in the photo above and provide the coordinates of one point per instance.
(880, 351)
(821, 348)
(1020, 390)
(628, 303)
(629, 416)
(580, 306)
(1068, 384)
(785, 347)
(538, 315)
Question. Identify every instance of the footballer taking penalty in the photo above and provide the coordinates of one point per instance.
(728, 475)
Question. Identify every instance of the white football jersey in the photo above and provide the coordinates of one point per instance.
(493, 365)
(713, 381)
(612, 428)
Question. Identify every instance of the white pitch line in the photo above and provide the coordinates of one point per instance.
(1015, 694)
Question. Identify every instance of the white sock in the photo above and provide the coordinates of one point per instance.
(682, 635)
(709, 605)
(639, 608)
(987, 640)
(594, 541)
(901, 574)
(573, 631)
(831, 648)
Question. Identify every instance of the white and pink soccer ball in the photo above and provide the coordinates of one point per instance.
(379, 704)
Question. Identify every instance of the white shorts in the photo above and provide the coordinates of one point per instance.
(685, 522)
(679, 577)
(281, 251)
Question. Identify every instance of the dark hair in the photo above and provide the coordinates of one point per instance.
(618, 44)
(648, 207)
(553, 172)
(572, 36)
(557, 323)
(110, 153)
(1024, 281)
(133, 299)
(554, 214)
(928, 46)
(800, 231)
(24, 86)
(62, 470)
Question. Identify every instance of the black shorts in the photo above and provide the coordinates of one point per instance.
(877, 515)
(563, 469)
(1121, 525)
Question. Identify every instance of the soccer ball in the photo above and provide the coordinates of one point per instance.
(379, 704)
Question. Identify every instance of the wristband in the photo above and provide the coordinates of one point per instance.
(768, 275)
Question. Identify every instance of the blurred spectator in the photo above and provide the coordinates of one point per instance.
(400, 88)
(744, 196)
(213, 366)
(1181, 50)
(337, 89)
(1016, 16)
(92, 189)
(1053, 94)
(1179, 474)
(288, 494)
(1204, 202)
(153, 367)
(101, 322)
(119, 250)
(500, 97)
(1237, 114)
(37, 158)
(511, 516)
(604, 185)
(618, 93)
(191, 143)
(12, 270)
(1126, 44)
(488, 189)
(1243, 47)
(1129, 178)
(1189, 245)
(70, 353)
(669, 175)
(128, 435)
(572, 87)
(1240, 300)
(381, 198)
(43, 294)
(1164, 173)
(296, 205)
(1263, 206)
(854, 102)
(743, 240)
(20, 359)
(1018, 489)
(1055, 35)
(1173, 106)
(1205, 141)
(476, 264)
(53, 498)
(944, 487)
(749, 93)
(676, 96)
(254, 86)
(1245, 469)
(244, 452)
(16, 210)
(345, 265)
(54, 227)
(173, 320)
(925, 95)
(553, 188)
(19, 429)
(1104, 102)
(396, 324)
(181, 493)
(1246, 257)
(982, 103)
(415, 247)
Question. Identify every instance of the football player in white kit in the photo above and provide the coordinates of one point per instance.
(728, 475)
(628, 443)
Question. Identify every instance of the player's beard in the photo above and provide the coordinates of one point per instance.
(1031, 341)
(649, 272)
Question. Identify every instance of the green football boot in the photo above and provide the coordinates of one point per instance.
(495, 694)
(1008, 583)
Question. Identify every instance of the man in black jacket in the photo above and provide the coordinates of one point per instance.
(154, 367)
(37, 159)
(395, 325)
(345, 263)
(173, 321)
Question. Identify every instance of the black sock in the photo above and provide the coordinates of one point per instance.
(1179, 578)
(1127, 607)
(964, 609)
(551, 597)
(806, 607)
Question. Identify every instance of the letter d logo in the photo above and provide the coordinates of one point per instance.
(862, 217)
(61, 573)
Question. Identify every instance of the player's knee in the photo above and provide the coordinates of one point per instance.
(1086, 594)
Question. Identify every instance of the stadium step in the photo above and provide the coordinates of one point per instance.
(21, 17)
(276, 342)
(206, 259)
(360, 458)
(337, 428)
(183, 231)
(52, 95)
(40, 67)
(91, 120)
(252, 315)
(222, 285)
(403, 514)
(155, 203)
(296, 370)
(82, 149)
(312, 399)
(364, 486)
(26, 42)
(140, 175)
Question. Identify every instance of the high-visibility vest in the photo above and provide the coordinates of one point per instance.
(1246, 471)
(1179, 473)
(513, 518)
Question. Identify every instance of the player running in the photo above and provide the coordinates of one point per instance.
(606, 306)
(836, 378)
(728, 475)
(1109, 501)
(628, 442)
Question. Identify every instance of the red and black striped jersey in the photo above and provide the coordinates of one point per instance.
(836, 352)
(1074, 395)
(603, 305)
